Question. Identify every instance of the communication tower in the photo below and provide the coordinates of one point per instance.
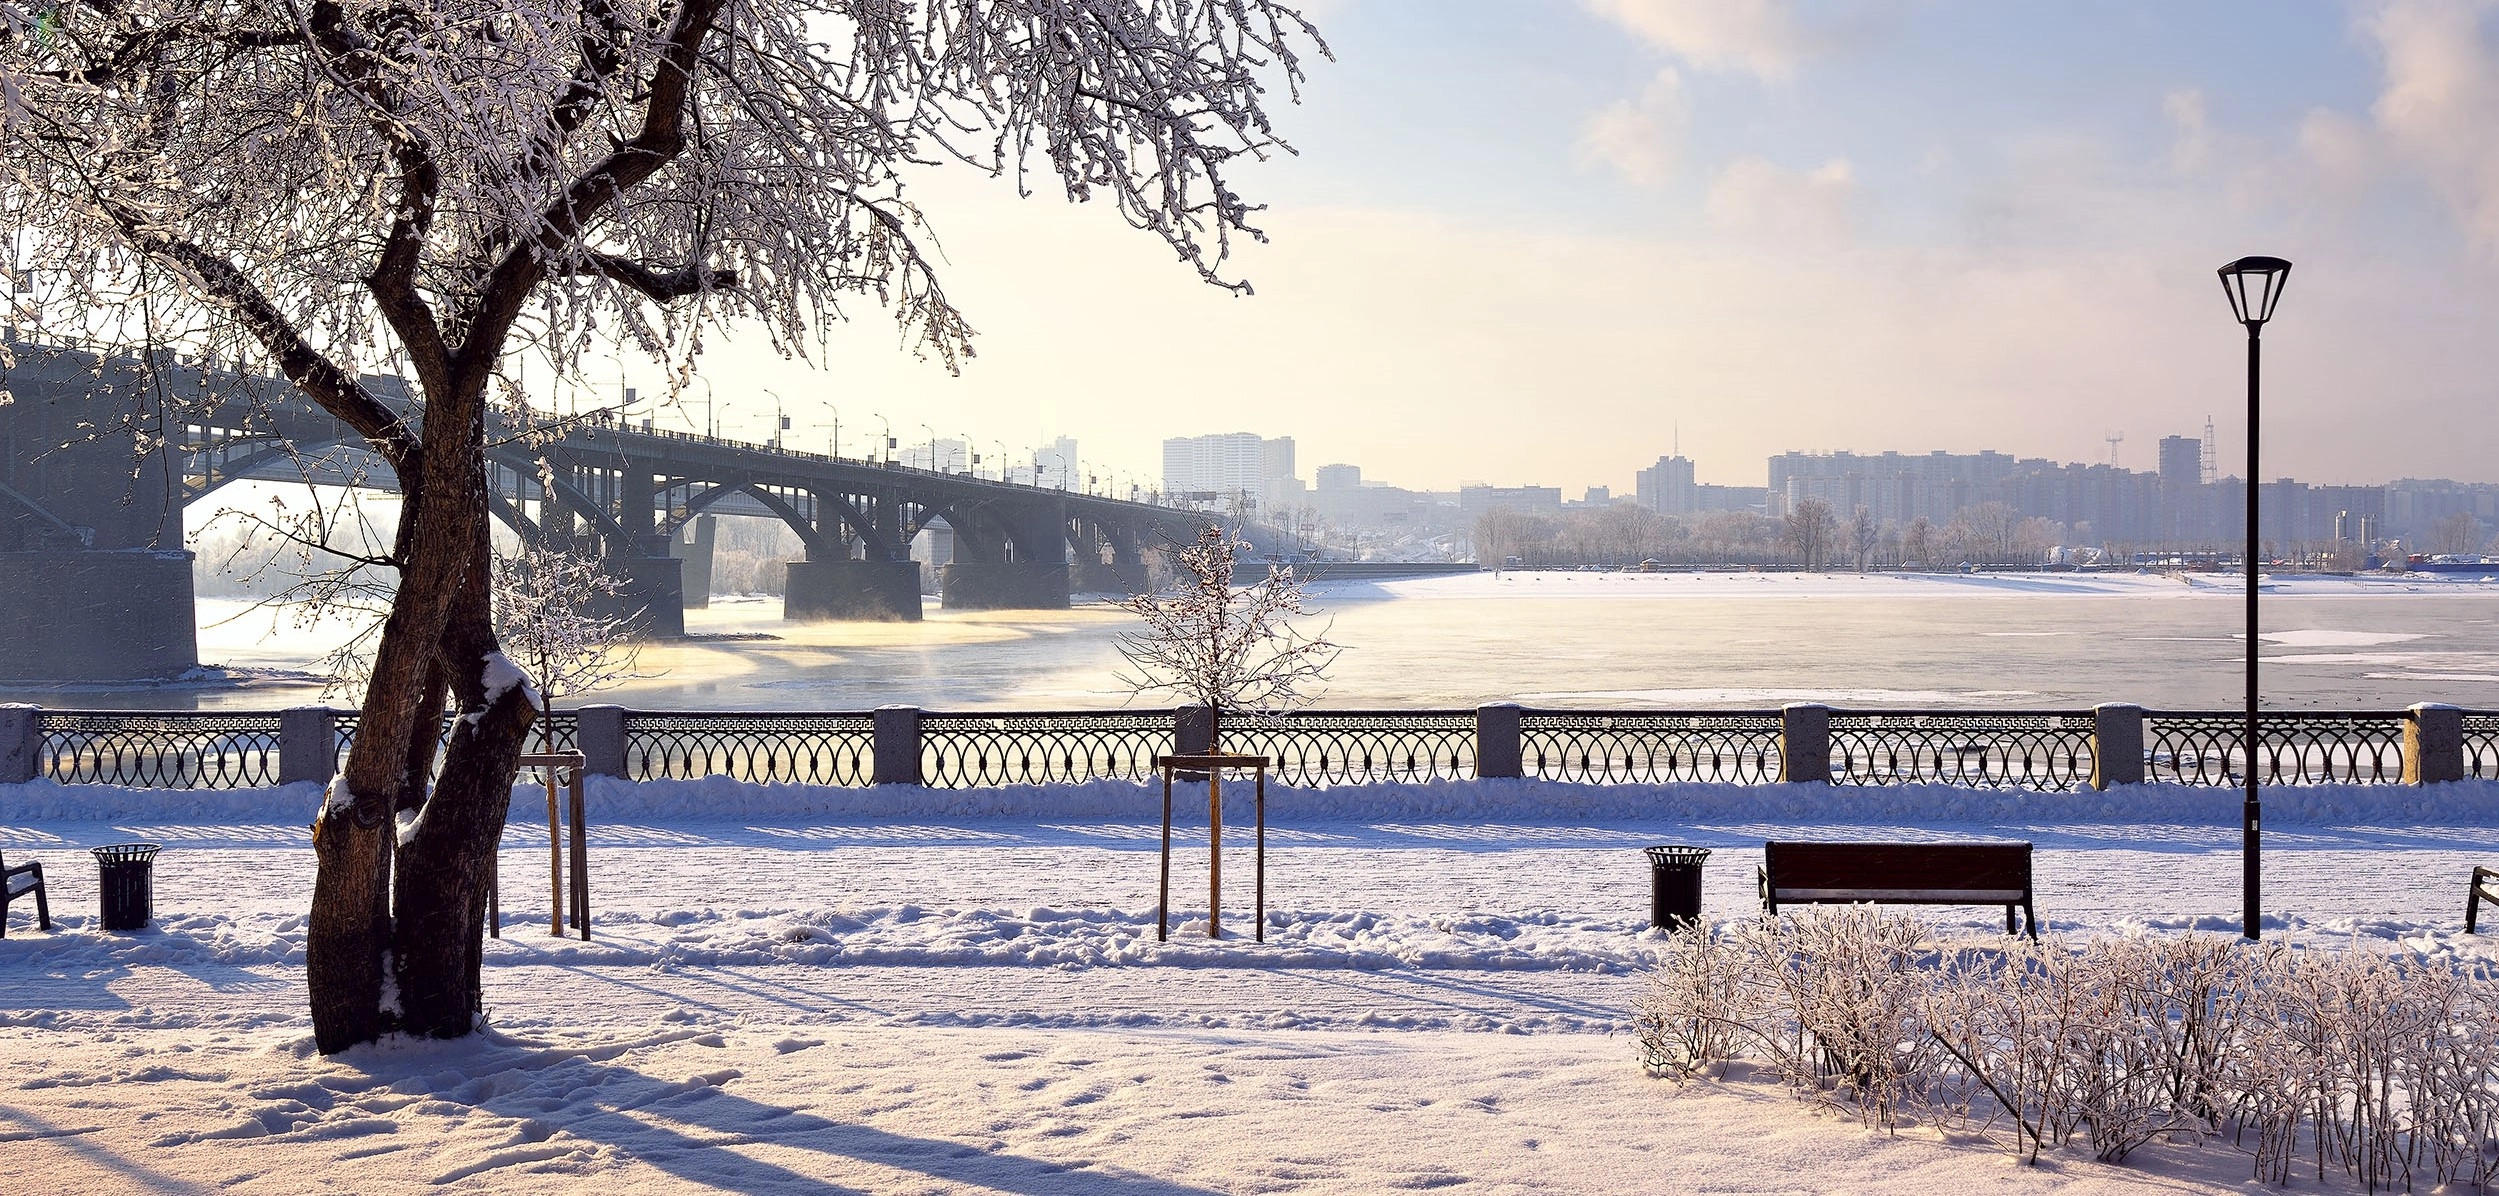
(2211, 474)
(2113, 438)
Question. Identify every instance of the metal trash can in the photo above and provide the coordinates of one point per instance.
(1675, 886)
(126, 879)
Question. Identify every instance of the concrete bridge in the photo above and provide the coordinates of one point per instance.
(98, 458)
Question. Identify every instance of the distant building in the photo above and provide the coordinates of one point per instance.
(1339, 477)
(1476, 501)
(1056, 466)
(1667, 487)
(1597, 496)
(1232, 466)
(2182, 461)
(945, 455)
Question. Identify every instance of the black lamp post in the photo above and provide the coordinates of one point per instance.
(2254, 285)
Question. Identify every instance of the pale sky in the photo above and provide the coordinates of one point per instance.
(1529, 241)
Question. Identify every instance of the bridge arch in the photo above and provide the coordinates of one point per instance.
(808, 533)
(529, 530)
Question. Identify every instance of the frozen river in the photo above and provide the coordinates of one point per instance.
(1593, 640)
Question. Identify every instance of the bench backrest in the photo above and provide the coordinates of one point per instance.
(1944, 866)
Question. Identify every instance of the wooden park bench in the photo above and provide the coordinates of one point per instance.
(2483, 887)
(17, 882)
(1899, 874)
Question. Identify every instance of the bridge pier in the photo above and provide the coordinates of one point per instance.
(651, 599)
(852, 591)
(72, 615)
(1004, 585)
(694, 547)
(1089, 576)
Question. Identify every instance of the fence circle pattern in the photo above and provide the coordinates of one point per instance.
(2050, 752)
(2298, 748)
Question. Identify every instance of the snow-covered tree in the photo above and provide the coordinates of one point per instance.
(435, 186)
(557, 614)
(1225, 647)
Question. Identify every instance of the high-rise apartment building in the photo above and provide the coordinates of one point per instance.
(1667, 487)
(2182, 461)
(1230, 466)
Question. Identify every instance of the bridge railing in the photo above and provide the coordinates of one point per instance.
(2049, 751)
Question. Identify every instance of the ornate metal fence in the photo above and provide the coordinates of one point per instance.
(967, 751)
(1338, 747)
(1739, 747)
(2297, 748)
(2025, 749)
(801, 749)
(177, 749)
(2481, 746)
(564, 727)
(2040, 750)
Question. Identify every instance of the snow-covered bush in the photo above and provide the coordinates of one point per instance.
(2381, 1065)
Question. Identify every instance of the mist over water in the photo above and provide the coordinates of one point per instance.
(1587, 640)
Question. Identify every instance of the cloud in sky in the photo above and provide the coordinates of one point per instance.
(1757, 36)
(2193, 147)
(1539, 285)
(1757, 196)
(2439, 109)
(1639, 139)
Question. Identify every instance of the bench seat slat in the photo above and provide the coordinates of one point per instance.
(1939, 896)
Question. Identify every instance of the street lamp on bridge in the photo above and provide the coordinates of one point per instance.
(2254, 285)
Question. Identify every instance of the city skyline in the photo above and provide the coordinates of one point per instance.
(1738, 220)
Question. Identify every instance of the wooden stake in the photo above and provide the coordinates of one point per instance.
(1214, 853)
(555, 862)
(1162, 905)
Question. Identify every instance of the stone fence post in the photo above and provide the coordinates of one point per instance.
(600, 734)
(2433, 743)
(1192, 730)
(2116, 745)
(1805, 742)
(21, 742)
(1497, 750)
(307, 745)
(897, 746)
(1192, 734)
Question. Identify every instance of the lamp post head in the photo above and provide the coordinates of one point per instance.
(2254, 285)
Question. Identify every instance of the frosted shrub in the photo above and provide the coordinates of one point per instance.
(1855, 990)
(2382, 1066)
(1695, 1006)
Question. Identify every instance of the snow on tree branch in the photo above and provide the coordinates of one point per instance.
(349, 182)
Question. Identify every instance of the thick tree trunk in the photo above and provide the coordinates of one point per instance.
(447, 855)
(434, 639)
(343, 942)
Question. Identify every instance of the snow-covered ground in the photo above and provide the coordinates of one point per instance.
(889, 991)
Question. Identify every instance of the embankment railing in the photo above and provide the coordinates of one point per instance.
(2042, 750)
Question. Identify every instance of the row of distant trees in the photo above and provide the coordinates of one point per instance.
(1815, 535)
(1812, 535)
